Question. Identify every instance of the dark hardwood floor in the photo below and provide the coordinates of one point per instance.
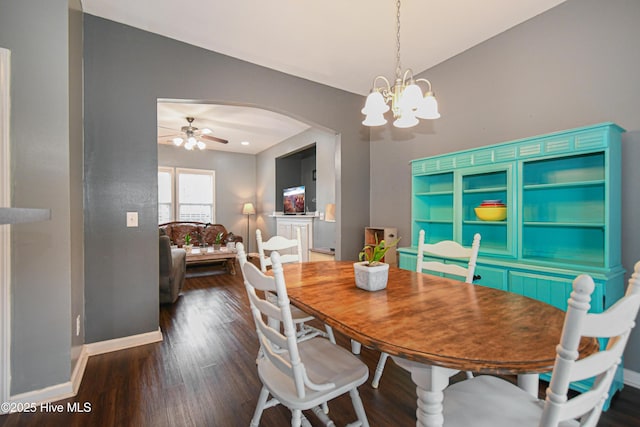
(204, 374)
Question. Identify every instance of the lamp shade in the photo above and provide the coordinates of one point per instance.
(410, 98)
(406, 120)
(374, 120)
(330, 212)
(428, 108)
(248, 209)
(375, 104)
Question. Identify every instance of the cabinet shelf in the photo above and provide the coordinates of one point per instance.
(563, 185)
(434, 193)
(563, 224)
(479, 222)
(434, 221)
(485, 190)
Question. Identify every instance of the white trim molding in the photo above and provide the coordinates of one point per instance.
(632, 378)
(70, 388)
(5, 230)
(123, 343)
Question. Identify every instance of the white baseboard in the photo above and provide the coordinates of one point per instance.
(123, 343)
(70, 388)
(632, 378)
(44, 395)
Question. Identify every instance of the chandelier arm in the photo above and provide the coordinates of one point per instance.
(388, 88)
(404, 77)
(426, 81)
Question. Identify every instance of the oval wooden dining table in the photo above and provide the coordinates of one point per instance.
(433, 326)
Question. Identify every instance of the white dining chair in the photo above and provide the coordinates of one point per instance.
(294, 248)
(290, 249)
(443, 249)
(299, 375)
(490, 401)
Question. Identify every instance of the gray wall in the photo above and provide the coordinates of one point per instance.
(574, 65)
(44, 119)
(235, 180)
(324, 233)
(126, 72)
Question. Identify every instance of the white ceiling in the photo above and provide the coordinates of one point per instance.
(261, 128)
(343, 44)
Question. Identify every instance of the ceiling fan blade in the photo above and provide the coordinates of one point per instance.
(214, 139)
(175, 135)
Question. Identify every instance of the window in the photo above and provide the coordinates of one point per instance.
(165, 195)
(186, 195)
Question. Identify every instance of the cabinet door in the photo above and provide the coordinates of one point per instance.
(477, 185)
(564, 210)
(491, 277)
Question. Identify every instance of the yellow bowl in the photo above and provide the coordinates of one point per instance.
(491, 213)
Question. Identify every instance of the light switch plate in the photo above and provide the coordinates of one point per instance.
(132, 219)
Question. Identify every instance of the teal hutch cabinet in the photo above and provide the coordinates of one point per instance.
(562, 192)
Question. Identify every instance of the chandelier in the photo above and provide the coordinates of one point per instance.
(407, 103)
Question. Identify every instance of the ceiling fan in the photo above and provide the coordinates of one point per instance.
(193, 136)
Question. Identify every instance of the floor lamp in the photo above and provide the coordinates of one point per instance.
(248, 209)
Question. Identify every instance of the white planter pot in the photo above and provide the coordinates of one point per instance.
(371, 278)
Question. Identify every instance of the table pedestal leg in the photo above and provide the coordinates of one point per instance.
(430, 381)
(529, 383)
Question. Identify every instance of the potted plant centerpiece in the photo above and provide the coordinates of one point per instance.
(187, 243)
(217, 243)
(371, 273)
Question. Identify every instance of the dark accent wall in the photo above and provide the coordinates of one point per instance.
(572, 66)
(126, 71)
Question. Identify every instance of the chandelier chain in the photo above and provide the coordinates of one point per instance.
(398, 66)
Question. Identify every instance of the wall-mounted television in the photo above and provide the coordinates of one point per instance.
(293, 198)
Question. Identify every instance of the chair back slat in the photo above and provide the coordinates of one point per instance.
(293, 248)
(614, 321)
(448, 249)
(451, 269)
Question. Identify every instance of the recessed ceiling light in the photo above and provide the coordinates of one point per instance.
(245, 143)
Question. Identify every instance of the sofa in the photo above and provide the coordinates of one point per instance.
(200, 232)
(173, 265)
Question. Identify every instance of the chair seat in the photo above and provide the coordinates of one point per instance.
(487, 401)
(325, 363)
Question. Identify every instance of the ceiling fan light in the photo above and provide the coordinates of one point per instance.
(178, 141)
(206, 131)
(406, 120)
(201, 145)
(374, 120)
(410, 98)
(428, 108)
(375, 104)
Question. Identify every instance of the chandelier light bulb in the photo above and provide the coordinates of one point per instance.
(201, 145)
(178, 141)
